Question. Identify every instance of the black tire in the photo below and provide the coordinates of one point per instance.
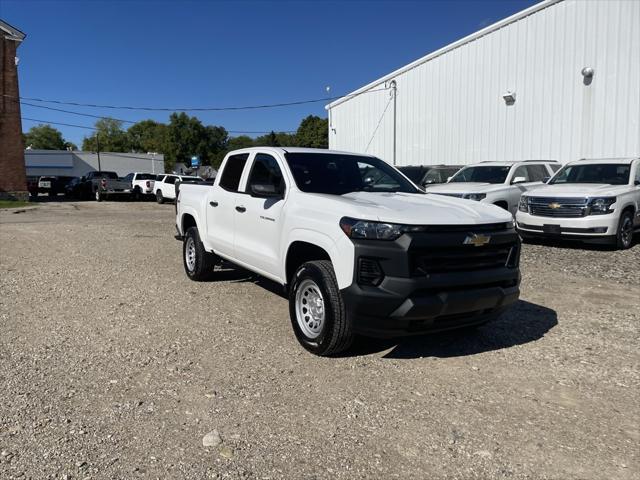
(624, 234)
(203, 261)
(136, 195)
(336, 334)
(159, 197)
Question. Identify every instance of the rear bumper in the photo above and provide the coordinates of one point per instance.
(408, 304)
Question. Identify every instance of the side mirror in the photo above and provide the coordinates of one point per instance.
(264, 190)
(83, 179)
(518, 180)
(546, 179)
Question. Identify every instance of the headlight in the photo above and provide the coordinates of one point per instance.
(523, 205)
(474, 196)
(372, 230)
(601, 206)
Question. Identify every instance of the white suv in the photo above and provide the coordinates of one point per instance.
(588, 200)
(165, 186)
(498, 183)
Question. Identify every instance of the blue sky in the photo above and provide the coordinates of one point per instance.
(208, 53)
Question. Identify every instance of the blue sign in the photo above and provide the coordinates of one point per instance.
(195, 161)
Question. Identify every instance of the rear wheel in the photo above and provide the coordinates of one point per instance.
(318, 315)
(624, 235)
(159, 197)
(136, 195)
(198, 263)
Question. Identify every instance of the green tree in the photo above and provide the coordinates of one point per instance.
(44, 137)
(268, 140)
(112, 137)
(186, 137)
(313, 132)
(242, 141)
(148, 136)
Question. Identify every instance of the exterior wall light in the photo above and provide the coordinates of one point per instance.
(587, 75)
(509, 97)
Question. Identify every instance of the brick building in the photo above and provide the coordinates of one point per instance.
(13, 181)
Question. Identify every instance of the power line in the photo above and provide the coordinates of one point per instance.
(58, 123)
(378, 125)
(197, 109)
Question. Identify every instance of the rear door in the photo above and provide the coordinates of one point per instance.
(221, 205)
(168, 187)
(258, 223)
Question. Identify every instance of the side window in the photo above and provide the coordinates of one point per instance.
(129, 177)
(266, 171)
(170, 180)
(433, 176)
(521, 171)
(537, 172)
(232, 172)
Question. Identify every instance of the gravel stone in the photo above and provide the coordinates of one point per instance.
(94, 292)
(211, 439)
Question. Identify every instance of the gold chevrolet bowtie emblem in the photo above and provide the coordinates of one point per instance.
(477, 240)
(554, 205)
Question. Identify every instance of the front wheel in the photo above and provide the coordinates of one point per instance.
(198, 263)
(317, 311)
(624, 235)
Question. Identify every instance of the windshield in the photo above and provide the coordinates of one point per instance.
(608, 173)
(415, 174)
(337, 174)
(486, 174)
(110, 175)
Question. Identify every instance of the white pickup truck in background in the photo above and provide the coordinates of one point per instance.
(356, 256)
(141, 184)
(498, 183)
(165, 186)
(593, 200)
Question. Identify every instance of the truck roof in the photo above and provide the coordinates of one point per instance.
(605, 160)
(295, 150)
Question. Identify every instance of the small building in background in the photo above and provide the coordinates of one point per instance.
(204, 171)
(559, 80)
(76, 164)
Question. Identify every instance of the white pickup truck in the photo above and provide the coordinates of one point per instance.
(593, 200)
(499, 183)
(141, 184)
(377, 258)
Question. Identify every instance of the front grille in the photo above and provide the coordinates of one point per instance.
(463, 258)
(558, 207)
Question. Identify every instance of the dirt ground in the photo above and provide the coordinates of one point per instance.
(114, 365)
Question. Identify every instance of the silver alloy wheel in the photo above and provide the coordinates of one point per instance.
(310, 309)
(190, 254)
(98, 195)
(626, 231)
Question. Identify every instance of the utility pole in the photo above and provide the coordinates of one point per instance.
(98, 148)
(392, 84)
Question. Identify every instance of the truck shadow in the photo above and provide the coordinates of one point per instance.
(525, 322)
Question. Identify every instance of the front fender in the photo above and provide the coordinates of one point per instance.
(341, 253)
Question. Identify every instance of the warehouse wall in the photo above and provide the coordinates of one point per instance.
(77, 164)
(450, 108)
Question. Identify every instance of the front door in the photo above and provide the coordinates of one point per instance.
(258, 223)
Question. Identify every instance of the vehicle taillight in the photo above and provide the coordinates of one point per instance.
(148, 184)
(103, 183)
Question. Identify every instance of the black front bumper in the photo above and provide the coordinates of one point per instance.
(408, 301)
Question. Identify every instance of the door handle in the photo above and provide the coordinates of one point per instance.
(241, 209)
(213, 204)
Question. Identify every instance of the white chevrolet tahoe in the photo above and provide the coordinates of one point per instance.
(165, 187)
(357, 246)
(595, 201)
(499, 183)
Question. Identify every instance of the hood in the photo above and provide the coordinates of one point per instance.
(412, 209)
(462, 187)
(579, 190)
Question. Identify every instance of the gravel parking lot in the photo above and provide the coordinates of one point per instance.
(114, 365)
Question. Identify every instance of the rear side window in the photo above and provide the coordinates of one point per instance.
(170, 180)
(232, 172)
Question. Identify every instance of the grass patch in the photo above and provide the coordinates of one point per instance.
(13, 204)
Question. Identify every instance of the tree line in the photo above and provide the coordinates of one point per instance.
(179, 140)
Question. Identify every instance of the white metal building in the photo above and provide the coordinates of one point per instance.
(77, 164)
(518, 89)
